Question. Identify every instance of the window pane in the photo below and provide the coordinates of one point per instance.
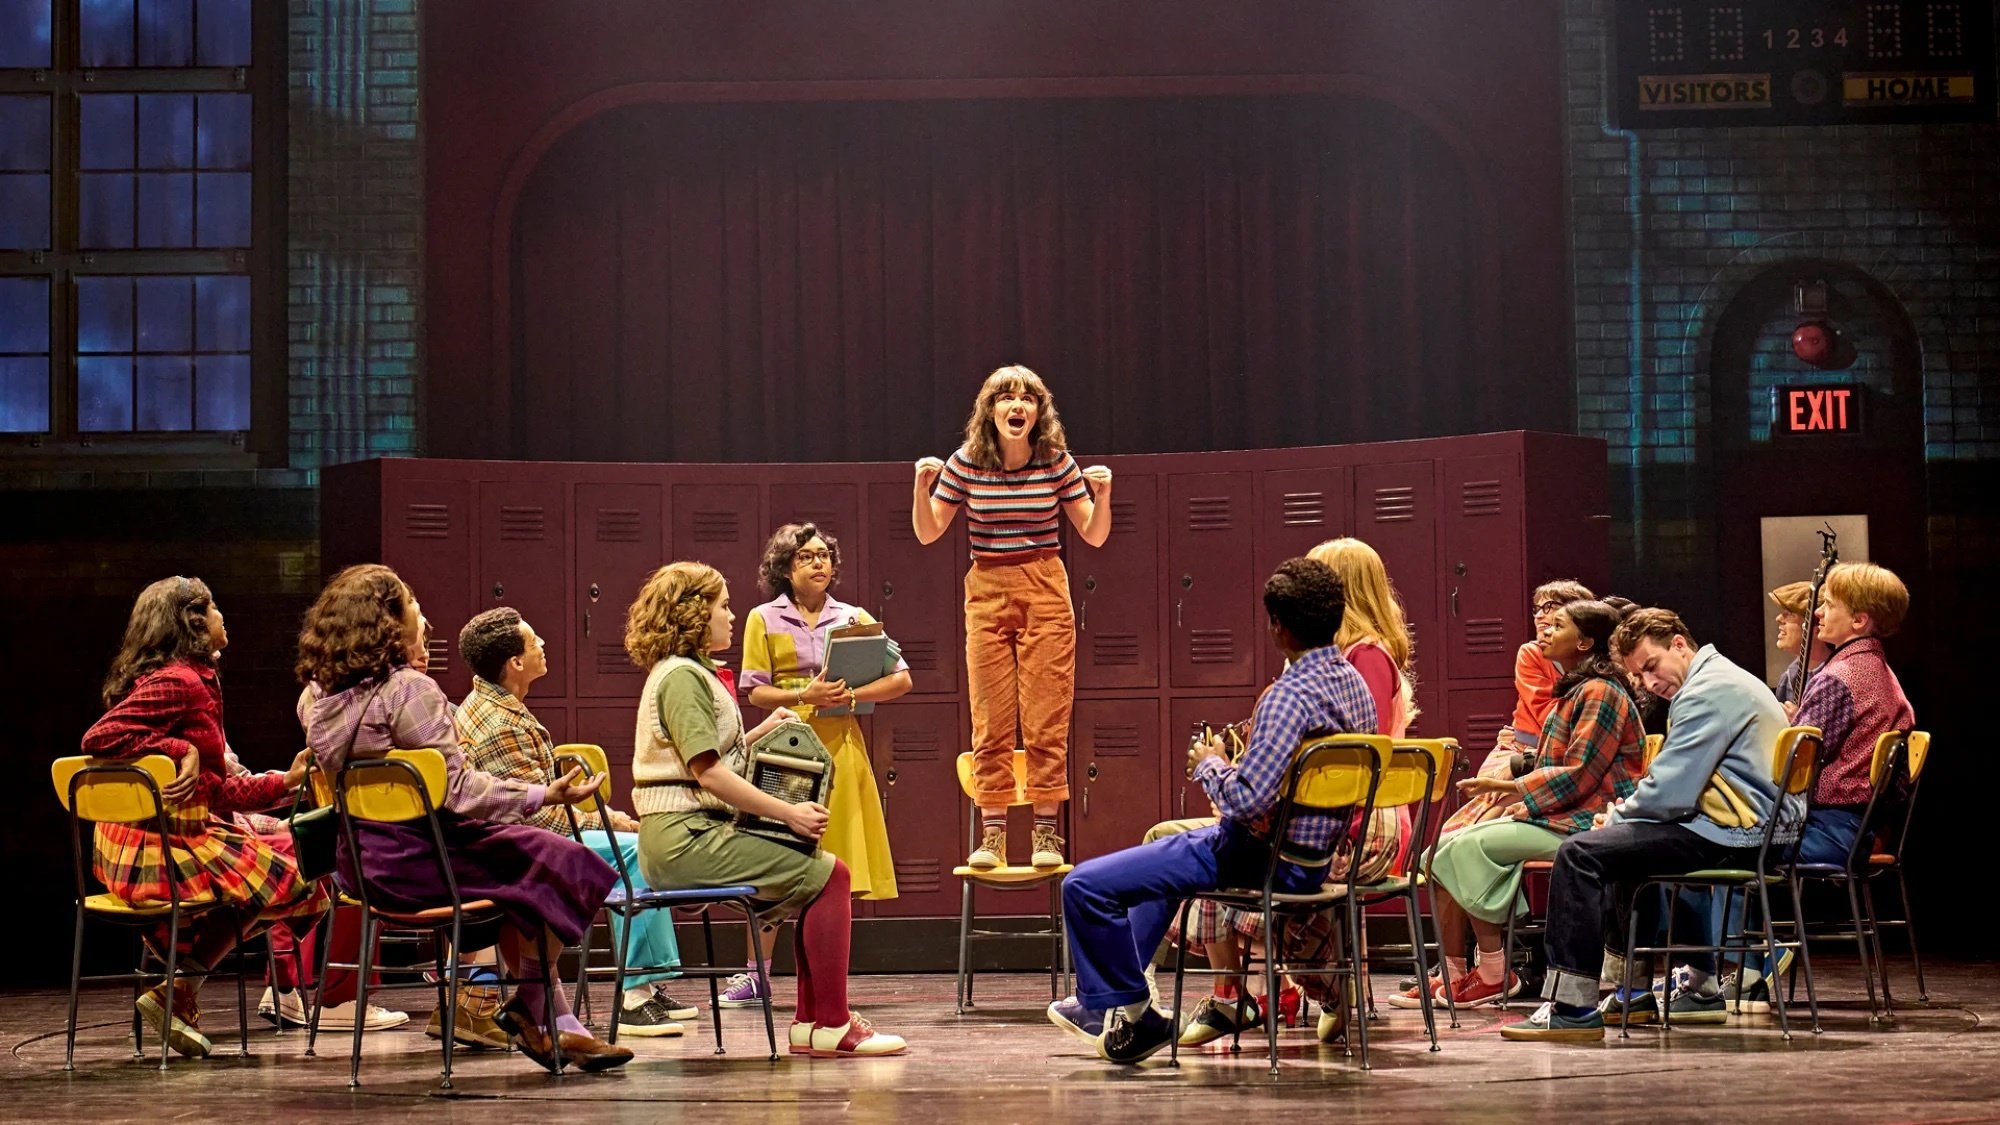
(166, 32)
(107, 131)
(166, 393)
(24, 394)
(24, 314)
(166, 313)
(103, 393)
(221, 315)
(222, 392)
(107, 33)
(105, 211)
(24, 32)
(24, 211)
(225, 209)
(103, 314)
(222, 29)
(24, 133)
(223, 131)
(166, 131)
(165, 211)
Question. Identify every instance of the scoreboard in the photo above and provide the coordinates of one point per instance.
(1700, 63)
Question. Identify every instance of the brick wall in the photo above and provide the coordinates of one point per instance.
(355, 266)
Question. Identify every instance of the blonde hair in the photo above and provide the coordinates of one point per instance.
(1874, 590)
(1374, 612)
(670, 615)
(982, 438)
(1793, 597)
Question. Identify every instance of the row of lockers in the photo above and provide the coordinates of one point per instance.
(1169, 624)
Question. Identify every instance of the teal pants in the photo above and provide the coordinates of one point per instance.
(651, 940)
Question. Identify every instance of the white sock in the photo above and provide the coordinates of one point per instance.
(1134, 1011)
(1456, 965)
(1492, 966)
(637, 996)
(1699, 983)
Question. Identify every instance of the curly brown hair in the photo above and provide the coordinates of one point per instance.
(774, 574)
(169, 622)
(354, 631)
(670, 615)
(982, 438)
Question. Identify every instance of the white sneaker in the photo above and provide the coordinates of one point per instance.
(340, 1017)
(285, 1009)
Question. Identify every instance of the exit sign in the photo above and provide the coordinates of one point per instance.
(1816, 409)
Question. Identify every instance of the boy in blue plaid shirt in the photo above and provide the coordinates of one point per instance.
(1118, 907)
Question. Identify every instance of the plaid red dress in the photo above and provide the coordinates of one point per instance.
(177, 711)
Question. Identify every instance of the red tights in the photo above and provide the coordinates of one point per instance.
(820, 945)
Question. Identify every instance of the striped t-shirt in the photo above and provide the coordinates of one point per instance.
(1012, 512)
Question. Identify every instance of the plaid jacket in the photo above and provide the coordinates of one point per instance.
(1595, 737)
(177, 710)
(502, 738)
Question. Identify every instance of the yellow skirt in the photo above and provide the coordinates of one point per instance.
(856, 832)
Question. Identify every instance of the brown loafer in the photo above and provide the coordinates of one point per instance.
(528, 1036)
(593, 1054)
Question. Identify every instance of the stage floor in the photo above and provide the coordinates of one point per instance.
(1937, 1062)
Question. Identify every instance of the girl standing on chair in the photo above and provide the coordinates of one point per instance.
(164, 697)
(1015, 477)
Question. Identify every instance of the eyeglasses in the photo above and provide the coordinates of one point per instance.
(1547, 607)
(810, 557)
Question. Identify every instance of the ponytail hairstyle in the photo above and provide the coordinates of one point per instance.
(169, 623)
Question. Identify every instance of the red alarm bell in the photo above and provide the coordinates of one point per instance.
(1816, 343)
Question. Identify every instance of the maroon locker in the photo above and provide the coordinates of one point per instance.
(1297, 510)
(522, 540)
(1188, 797)
(619, 541)
(1477, 716)
(427, 539)
(914, 589)
(1395, 512)
(1114, 775)
(723, 526)
(612, 727)
(915, 752)
(556, 721)
(1116, 592)
(1212, 629)
(835, 508)
(1483, 565)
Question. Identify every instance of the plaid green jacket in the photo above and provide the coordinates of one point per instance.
(1596, 746)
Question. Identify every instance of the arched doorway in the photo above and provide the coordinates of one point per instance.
(1873, 470)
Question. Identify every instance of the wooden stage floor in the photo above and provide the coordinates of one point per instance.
(1937, 1062)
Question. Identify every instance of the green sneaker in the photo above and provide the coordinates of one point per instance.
(1549, 1026)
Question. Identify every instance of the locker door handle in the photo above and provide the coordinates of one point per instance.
(1454, 601)
(1086, 802)
(595, 593)
(1083, 617)
(1182, 798)
(586, 623)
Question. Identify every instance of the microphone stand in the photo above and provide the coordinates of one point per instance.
(1829, 556)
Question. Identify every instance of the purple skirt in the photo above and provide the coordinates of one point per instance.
(537, 878)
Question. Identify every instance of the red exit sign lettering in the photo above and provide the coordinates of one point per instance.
(1818, 410)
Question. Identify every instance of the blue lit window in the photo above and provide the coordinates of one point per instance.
(165, 33)
(26, 29)
(24, 172)
(24, 355)
(158, 354)
(164, 171)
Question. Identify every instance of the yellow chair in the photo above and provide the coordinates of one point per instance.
(1328, 775)
(397, 788)
(1653, 744)
(1419, 773)
(1895, 770)
(1007, 878)
(631, 898)
(1795, 766)
(127, 791)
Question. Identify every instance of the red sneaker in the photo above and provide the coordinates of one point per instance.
(1471, 990)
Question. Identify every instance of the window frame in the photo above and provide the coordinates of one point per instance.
(264, 444)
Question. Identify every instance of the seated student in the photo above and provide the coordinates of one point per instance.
(163, 696)
(1702, 804)
(1118, 907)
(362, 699)
(502, 737)
(688, 799)
(1591, 750)
(1794, 601)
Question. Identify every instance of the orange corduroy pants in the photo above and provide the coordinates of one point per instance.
(1020, 660)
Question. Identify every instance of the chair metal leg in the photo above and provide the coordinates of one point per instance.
(714, 990)
(618, 980)
(1358, 962)
(448, 990)
(551, 980)
(243, 1007)
(360, 1000)
(1423, 968)
(1274, 938)
(319, 979)
(173, 965)
(1805, 953)
(75, 982)
(964, 946)
(1910, 931)
(1625, 972)
(763, 976)
(1862, 941)
(1055, 937)
(1875, 931)
(1180, 981)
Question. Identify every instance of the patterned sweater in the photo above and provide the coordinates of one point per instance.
(1598, 746)
(1854, 698)
(503, 738)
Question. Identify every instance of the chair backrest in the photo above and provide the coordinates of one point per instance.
(1915, 747)
(1020, 796)
(400, 786)
(1653, 744)
(112, 790)
(1795, 767)
(1437, 759)
(1338, 771)
(1894, 774)
(594, 761)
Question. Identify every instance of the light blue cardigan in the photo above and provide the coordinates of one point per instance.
(1722, 728)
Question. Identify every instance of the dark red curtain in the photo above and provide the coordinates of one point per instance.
(832, 281)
